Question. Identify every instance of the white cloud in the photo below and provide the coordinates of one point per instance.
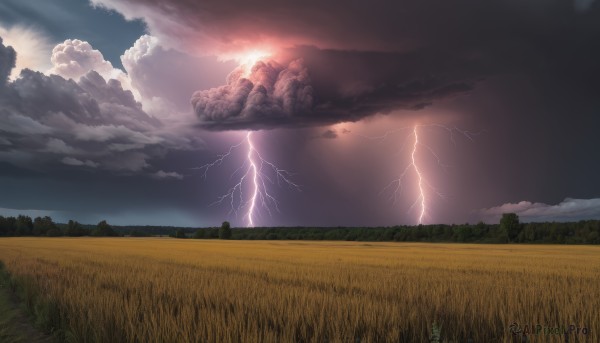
(75, 58)
(568, 210)
(143, 47)
(165, 78)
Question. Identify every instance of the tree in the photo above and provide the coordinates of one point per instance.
(10, 226)
(225, 231)
(3, 226)
(138, 233)
(509, 224)
(180, 234)
(42, 225)
(528, 233)
(38, 227)
(592, 237)
(104, 230)
(463, 233)
(479, 230)
(200, 233)
(74, 229)
(24, 225)
(54, 232)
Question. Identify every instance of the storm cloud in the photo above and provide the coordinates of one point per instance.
(366, 58)
(327, 87)
(271, 94)
(47, 120)
(216, 26)
(8, 58)
(131, 119)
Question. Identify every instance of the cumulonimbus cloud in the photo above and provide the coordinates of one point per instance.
(214, 26)
(329, 69)
(271, 93)
(326, 87)
(170, 76)
(82, 121)
(74, 58)
(567, 210)
(362, 58)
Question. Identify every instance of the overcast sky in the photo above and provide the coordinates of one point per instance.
(370, 113)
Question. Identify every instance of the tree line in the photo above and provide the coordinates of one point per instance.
(508, 230)
(45, 226)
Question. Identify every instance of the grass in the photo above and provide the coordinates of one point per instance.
(167, 290)
(14, 326)
(8, 316)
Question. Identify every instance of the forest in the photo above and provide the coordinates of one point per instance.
(508, 230)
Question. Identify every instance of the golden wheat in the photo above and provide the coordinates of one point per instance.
(167, 290)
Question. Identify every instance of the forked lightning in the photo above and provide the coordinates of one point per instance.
(255, 176)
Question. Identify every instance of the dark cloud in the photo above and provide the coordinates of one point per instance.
(162, 175)
(365, 58)
(525, 71)
(48, 117)
(8, 58)
(75, 162)
(271, 95)
(357, 25)
(332, 134)
(329, 134)
(327, 86)
(92, 123)
(584, 5)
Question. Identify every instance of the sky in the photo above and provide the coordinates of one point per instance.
(276, 113)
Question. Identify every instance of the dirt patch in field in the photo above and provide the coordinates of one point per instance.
(15, 326)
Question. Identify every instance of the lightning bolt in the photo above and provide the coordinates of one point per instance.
(257, 174)
(422, 184)
(414, 164)
(254, 171)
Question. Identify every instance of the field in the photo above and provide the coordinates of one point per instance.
(169, 290)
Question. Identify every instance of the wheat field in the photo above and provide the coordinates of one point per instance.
(169, 290)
